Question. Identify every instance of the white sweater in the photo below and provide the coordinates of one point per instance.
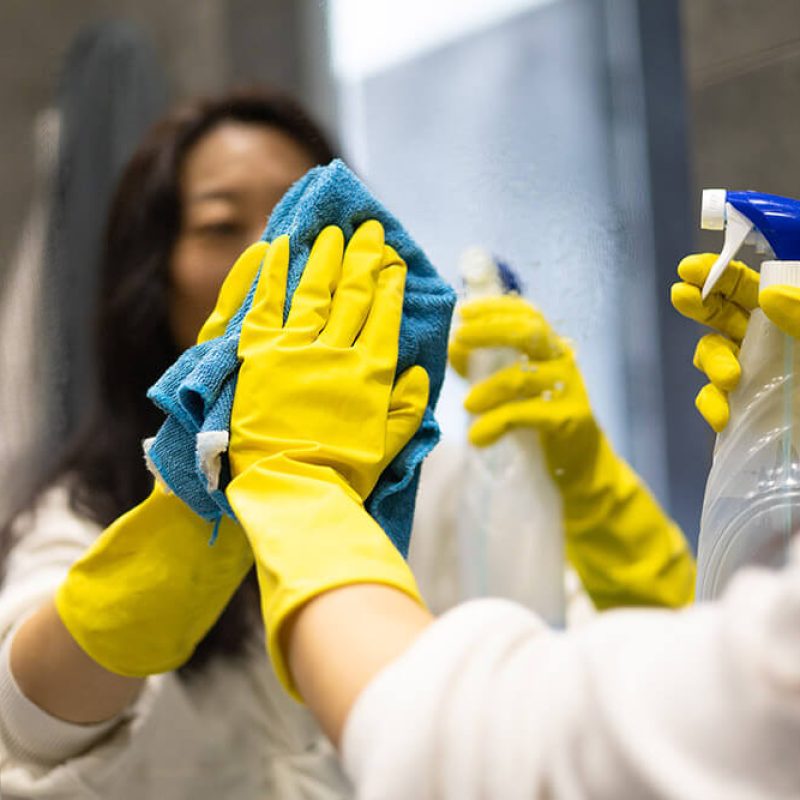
(702, 704)
(231, 733)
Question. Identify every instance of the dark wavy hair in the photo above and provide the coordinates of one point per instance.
(102, 465)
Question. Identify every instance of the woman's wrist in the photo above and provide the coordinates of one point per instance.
(339, 641)
(55, 674)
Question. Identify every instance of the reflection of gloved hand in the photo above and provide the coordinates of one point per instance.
(150, 587)
(727, 310)
(306, 454)
(624, 548)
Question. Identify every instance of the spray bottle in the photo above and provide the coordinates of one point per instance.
(752, 501)
(511, 530)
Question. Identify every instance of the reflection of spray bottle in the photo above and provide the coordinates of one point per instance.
(752, 501)
(511, 532)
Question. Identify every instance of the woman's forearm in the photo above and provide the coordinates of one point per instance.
(53, 672)
(340, 640)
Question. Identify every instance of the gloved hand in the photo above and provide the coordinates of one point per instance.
(781, 304)
(727, 309)
(306, 454)
(150, 587)
(623, 546)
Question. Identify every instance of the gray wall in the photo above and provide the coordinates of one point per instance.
(743, 67)
(204, 46)
(536, 138)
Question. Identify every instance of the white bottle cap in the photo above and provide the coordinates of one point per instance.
(480, 273)
(774, 273)
(712, 210)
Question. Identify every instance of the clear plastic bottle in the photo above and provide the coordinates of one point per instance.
(511, 529)
(752, 501)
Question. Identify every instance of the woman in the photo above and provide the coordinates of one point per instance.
(195, 194)
(486, 701)
(197, 191)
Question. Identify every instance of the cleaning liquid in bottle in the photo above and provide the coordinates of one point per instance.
(511, 530)
(751, 506)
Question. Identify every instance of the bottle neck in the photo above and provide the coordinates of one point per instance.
(784, 273)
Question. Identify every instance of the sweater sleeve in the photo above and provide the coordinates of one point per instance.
(228, 732)
(47, 539)
(31, 733)
(638, 703)
(148, 748)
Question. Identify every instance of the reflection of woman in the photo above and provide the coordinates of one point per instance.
(196, 193)
(486, 701)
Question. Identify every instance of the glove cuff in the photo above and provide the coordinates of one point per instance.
(624, 547)
(574, 466)
(150, 587)
(310, 534)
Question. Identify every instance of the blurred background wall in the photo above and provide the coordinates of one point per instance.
(203, 45)
(571, 136)
(743, 74)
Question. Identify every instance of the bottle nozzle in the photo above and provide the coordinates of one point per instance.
(712, 210)
(480, 273)
(737, 228)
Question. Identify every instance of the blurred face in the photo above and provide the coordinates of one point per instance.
(230, 181)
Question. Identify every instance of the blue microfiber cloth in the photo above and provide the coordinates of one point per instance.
(197, 392)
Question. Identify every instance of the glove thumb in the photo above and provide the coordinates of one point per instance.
(233, 291)
(406, 408)
(782, 305)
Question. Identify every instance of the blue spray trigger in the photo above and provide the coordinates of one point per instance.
(767, 220)
(509, 278)
(775, 218)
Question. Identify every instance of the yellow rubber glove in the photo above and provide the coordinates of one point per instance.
(727, 310)
(782, 305)
(622, 545)
(306, 453)
(150, 587)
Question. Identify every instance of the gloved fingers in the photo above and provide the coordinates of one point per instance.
(363, 258)
(518, 382)
(311, 303)
(712, 403)
(503, 305)
(406, 409)
(527, 332)
(530, 335)
(738, 283)
(458, 357)
(728, 307)
(716, 311)
(538, 413)
(266, 310)
(782, 305)
(380, 335)
(715, 355)
(502, 321)
(546, 348)
(233, 291)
